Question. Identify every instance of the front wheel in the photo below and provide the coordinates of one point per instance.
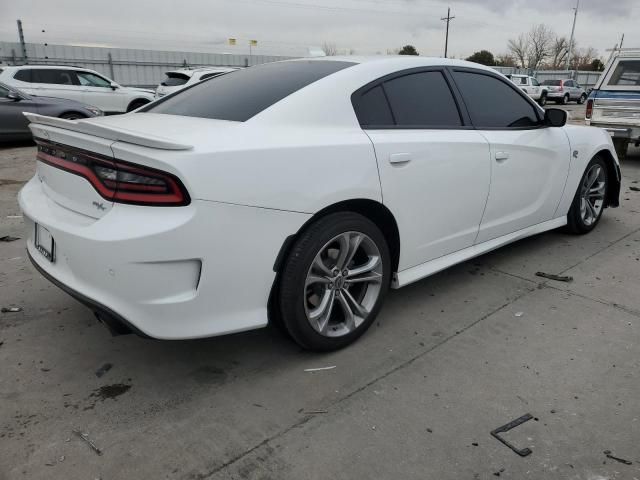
(582, 98)
(588, 203)
(334, 281)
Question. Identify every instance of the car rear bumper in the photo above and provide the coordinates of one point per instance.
(167, 273)
(619, 131)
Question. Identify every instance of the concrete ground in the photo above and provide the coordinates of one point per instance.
(450, 359)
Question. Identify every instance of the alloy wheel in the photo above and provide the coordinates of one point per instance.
(343, 284)
(592, 194)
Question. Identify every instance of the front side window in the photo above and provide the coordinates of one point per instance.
(88, 79)
(54, 77)
(24, 75)
(492, 103)
(239, 95)
(535, 82)
(626, 73)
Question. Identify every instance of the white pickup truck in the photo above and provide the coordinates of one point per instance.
(614, 102)
(531, 87)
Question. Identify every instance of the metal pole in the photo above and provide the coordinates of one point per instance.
(447, 19)
(22, 44)
(110, 60)
(621, 41)
(573, 29)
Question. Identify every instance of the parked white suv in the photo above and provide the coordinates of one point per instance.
(178, 79)
(80, 84)
(531, 87)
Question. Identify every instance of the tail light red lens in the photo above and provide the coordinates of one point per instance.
(589, 111)
(116, 180)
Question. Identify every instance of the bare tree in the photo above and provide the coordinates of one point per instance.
(583, 58)
(330, 49)
(519, 49)
(559, 51)
(540, 40)
(505, 60)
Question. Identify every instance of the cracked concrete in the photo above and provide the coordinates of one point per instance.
(447, 362)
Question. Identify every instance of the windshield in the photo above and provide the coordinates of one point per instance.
(627, 73)
(552, 83)
(174, 79)
(240, 95)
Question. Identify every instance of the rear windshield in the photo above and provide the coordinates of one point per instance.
(240, 95)
(627, 73)
(175, 79)
(552, 83)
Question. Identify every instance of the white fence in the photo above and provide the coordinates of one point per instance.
(131, 67)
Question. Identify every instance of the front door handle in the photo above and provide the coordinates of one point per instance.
(399, 158)
(502, 156)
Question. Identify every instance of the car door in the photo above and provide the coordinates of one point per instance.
(97, 91)
(13, 124)
(535, 88)
(434, 168)
(529, 161)
(51, 82)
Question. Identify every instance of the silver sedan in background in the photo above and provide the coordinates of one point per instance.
(14, 125)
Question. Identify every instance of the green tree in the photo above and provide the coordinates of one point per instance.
(597, 65)
(483, 57)
(408, 50)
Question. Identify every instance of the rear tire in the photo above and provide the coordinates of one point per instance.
(543, 100)
(582, 98)
(565, 99)
(334, 281)
(589, 200)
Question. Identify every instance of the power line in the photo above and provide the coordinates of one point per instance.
(447, 19)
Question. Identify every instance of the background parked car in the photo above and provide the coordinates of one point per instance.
(564, 91)
(15, 126)
(178, 79)
(531, 87)
(80, 84)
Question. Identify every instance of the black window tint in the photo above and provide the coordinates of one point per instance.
(372, 108)
(210, 75)
(552, 83)
(492, 103)
(175, 79)
(240, 95)
(568, 83)
(55, 77)
(422, 99)
(23, 75)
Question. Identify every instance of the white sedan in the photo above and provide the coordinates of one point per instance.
(300, 191)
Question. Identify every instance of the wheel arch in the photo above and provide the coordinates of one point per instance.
(613, 173)
(371, 209)
(75, 112)
(139, 100)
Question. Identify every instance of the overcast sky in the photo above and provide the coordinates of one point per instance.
(289, 27)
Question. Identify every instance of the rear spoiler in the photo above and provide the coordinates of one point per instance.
(108, 132)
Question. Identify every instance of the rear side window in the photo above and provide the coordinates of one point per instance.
(54, 77)
(372, 109)
(492, 103)
(23, 75)
(240, 95)
(175, 79)
(422, 99)
(627, 73)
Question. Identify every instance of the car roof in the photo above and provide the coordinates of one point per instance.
(46, 67)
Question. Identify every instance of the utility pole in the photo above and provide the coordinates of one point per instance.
(621, 41)
(447, 19)
(22, 44)
(573, 29)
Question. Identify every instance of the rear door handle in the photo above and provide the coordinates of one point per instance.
(502, 156)
(399, 158)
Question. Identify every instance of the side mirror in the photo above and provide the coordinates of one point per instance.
(113, 85)
(555, 117)
(14, 96)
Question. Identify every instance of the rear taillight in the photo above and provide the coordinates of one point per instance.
(589, 111)
(116, 180)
